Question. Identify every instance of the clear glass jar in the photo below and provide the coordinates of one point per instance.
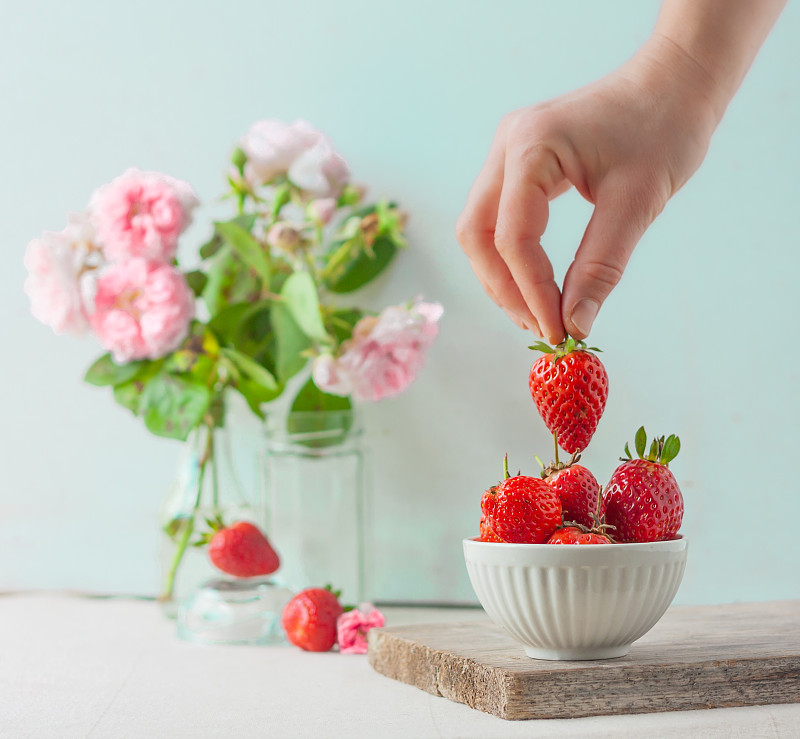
(314, 471)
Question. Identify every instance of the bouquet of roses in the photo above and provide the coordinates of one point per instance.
(262, 303)
(267, 286)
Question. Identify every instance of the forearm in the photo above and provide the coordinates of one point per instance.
(719, 38)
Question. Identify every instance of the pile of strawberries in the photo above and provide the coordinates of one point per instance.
(640, 503)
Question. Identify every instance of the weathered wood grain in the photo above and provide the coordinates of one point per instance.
(695, 657)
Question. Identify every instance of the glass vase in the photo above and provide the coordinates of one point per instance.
(314, 470)
(205, 489)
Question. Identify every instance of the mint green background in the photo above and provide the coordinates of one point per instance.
(699, 338)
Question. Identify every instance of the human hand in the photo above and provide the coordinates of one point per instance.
(627, 143)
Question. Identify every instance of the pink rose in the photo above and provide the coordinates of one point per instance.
(384, 354)
(142, 214)
(142, 309)
(59, 275)
(352, 627)
(327, 376)
(271, 146)
(320, 171)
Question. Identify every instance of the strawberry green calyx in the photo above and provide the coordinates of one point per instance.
(557, 465)
(561, 350)
(662, 450)
(338, 594)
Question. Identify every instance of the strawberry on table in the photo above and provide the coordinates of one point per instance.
(569, 385)
(642, 499)
(521, 509)
(242, 550)
(309, 619)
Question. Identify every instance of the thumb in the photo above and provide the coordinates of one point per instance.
(620, 218)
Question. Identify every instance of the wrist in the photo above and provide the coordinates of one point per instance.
(678, 78)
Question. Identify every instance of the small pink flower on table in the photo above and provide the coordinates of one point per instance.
(143, 309)
(60, 275)
(384, 355)
(142, 214)
(352, 627)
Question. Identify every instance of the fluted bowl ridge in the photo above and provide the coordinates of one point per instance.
(576, 602)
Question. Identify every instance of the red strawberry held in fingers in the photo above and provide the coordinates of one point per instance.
(642, 499)
(569, 385)
(577, 488)
(521, 509)
(576, 535)
(242, 550)
(309, 619)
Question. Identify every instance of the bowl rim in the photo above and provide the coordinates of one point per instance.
(678, 543)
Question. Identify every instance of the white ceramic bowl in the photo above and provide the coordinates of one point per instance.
(575, 602)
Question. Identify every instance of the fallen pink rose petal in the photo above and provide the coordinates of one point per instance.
(352, 628)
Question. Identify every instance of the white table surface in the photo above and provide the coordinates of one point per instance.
(82, 667)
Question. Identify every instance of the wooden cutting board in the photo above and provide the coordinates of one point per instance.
(695, 657)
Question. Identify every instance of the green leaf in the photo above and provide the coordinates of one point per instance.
(253, 370)
(129, 394)
(253, 254)
(291, 342)
(627, 451)
(342, 322)
(227, 323)
(540, 346)
(640, 442)
(671, 448)
(652, 455)
(256, 394)
(197, 281)
(107, 372)
(311, 398)
(197, 355)
(173, 406)
(248, 329)
(363, 267)
(229, 281)
(300, 297)
(216, 242)
(325, 418)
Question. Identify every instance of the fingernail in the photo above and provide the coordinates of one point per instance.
(583, 315)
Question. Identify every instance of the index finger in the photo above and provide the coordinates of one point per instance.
(529, 181)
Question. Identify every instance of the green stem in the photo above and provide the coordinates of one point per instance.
(505, 467)
(339, 257)
(555, 442)
(183, 543)
(214, 471)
